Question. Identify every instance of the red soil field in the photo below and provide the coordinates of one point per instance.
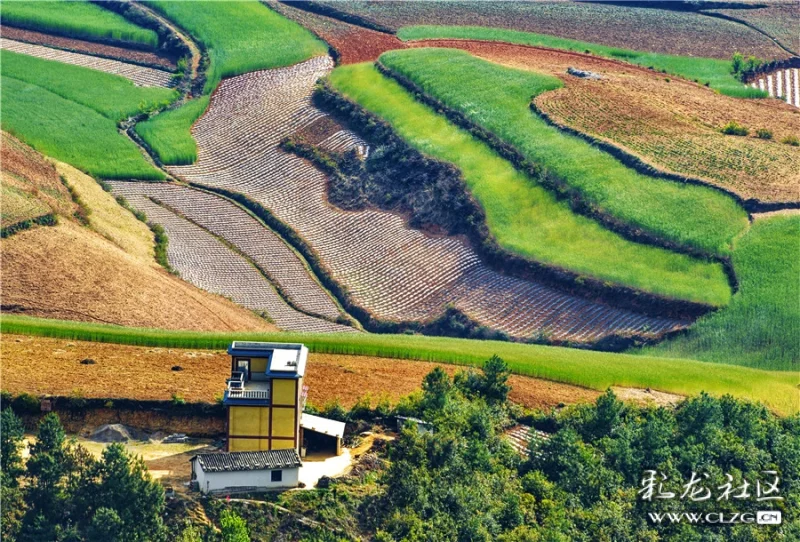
(42, 366)
(353, 43)
(88, 47)
(668, 122)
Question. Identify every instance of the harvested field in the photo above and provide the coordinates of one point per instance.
(31, 186)
(233, 224)
(72, 273)
(205, 261)
(353, 43)
(673, 125)
(394, 272)
(89, 48)
(52, 366)
(140, 75)
(638, 28)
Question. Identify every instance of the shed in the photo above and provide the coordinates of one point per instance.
(324, 426)
(246, 471)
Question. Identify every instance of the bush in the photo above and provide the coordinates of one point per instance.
(763, 133)
(791, 140)
(25, 402)
(734, 128)
(177, 399)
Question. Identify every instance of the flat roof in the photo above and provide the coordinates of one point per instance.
(244, 461)
(286, 360)
(322, 425)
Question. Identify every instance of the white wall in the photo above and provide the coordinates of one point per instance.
(213, 481)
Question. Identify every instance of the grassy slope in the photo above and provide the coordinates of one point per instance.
(110, 95)
(107, 218)
(715, 72)
(525, 217)
(70, 132)
(761, 326)
(596, 370)
(75, 19)
(169, 133)
(262, 40)
(498, 98)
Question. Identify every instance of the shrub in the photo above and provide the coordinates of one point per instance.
(791, 140)
(25, 402)
(763, 133)
(734, 128)
(177, 399)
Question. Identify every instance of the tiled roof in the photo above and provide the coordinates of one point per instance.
(239, 461)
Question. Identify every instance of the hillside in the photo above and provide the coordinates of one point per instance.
(103, 272)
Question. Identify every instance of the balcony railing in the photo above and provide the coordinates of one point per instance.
(237, 389)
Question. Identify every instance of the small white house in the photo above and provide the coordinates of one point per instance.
(246, 471)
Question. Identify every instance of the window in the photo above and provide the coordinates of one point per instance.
(277, 476)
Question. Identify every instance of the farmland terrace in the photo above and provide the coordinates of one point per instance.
(394, 272)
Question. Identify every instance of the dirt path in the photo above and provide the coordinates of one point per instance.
(184, 37)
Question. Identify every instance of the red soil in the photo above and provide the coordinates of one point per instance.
(353, 43)
(89, 48)
(53, 366)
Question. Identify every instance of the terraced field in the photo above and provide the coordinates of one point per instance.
(205, 261)
(638, 28)
(78, 20)
(140, 75)
(394, 272)
(497, 98)
(671, 124)
(260, 244)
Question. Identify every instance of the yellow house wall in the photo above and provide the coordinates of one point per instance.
(283, 422)
(284, 392)
(247, 444)
(250, 421)
(282, 444)
(258, 365)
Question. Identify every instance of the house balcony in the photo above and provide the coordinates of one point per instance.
(246, 392)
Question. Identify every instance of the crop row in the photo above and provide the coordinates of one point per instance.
(395, 272)
(206, 262)
(140, 75)
(230, 222)
(781, 84)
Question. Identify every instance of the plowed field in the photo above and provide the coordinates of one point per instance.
(53, 366)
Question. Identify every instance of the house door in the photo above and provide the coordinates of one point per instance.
(243, 365)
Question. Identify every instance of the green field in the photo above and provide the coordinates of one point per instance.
(525, 217)
(498, 98)
(169, 133)
(76, 20)
(761, 326)
(715, 72)
(596, 370)
(71, 113)
(242, 36)
(70, 132)
(112, 96)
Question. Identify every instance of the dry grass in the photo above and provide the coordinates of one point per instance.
(670, 123)
(107, 217)
(31, 186)
(52, 366)
(71, 272)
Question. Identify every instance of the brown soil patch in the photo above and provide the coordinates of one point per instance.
(319, 130)
(647, 397)
(70, 272)
(89, 48)
(354, 43)
(668, 122)
(52, 366)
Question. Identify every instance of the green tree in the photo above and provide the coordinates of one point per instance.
(106, 525)
(11, 433)
(495, 385)
(435, 388)
(234, 528)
